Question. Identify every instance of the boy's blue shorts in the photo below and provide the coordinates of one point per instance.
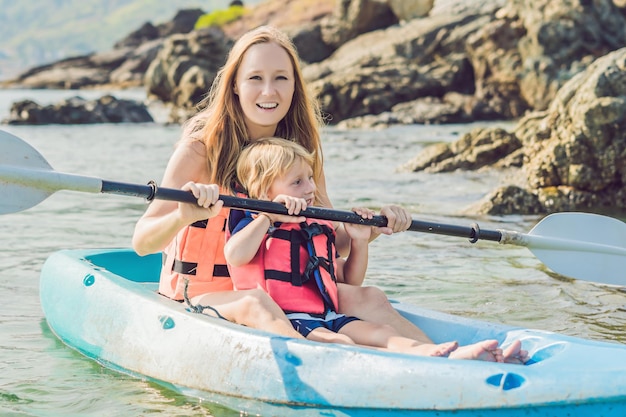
(306, 326)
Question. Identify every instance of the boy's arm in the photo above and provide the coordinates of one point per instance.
(243, 245)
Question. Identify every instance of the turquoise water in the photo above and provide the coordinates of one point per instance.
(39, 376)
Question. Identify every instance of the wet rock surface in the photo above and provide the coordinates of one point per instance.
(76, 110)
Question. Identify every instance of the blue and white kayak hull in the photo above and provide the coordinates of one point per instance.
(104, 304)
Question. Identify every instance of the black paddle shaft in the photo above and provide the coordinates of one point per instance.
(151, 192)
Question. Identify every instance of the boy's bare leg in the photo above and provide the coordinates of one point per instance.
(371, 304)
(252, 308)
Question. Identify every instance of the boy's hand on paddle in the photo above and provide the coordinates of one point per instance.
(294, 206)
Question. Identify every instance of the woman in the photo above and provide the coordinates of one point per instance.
(259, 92)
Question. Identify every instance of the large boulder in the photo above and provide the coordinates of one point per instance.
(185, 68)
(573, 154)
(301, 19)
(475, 60)
(536, 46)
(317, 40)
(352, 18)
(376, 71)
(576, 152)
(76, 110)
(480, 148)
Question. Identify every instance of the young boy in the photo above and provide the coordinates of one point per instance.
(294, 259)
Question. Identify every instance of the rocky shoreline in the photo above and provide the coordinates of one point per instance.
(556, 66)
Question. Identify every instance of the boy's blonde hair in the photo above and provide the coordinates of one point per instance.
(264, 160)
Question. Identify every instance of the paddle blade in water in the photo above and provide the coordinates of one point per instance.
(582, 245)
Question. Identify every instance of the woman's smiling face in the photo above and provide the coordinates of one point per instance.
(265, 86)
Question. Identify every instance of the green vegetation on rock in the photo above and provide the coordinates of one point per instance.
(220, 17)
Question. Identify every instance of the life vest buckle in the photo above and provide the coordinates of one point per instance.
(311, 267)
(313, 264)
(311, 230)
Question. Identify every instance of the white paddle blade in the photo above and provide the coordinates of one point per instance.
(26, 178)
(582, 246)
(14, 152)
(28, 197)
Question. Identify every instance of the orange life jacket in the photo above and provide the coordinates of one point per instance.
(296, 266)
(196, 255)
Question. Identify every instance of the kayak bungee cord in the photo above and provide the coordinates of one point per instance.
(199, 308)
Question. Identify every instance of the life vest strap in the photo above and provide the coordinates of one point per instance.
(296, 240)
(315, 262)
(203, 224)
(190, 268)
(279, 276)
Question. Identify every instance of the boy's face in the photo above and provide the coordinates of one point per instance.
(296, 182)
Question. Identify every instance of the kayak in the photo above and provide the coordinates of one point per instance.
(104, 304)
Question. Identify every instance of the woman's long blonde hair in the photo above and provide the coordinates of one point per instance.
(221, 124)
(267, 159)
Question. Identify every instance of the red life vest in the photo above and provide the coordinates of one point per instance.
(196, 255)
(296, 266)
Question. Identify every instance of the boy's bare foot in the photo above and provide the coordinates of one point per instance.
(442, 349)
(515, 354)
(487, 350)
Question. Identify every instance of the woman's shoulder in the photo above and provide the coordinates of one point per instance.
(189, 162)
(193, 148)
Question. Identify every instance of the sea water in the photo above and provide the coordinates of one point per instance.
(40, 376)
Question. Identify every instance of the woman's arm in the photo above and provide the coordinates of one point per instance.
(342, 241)
(352, 270)
(355, 265)
(162, 220)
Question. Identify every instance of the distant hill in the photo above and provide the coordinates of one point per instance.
(43, 31)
